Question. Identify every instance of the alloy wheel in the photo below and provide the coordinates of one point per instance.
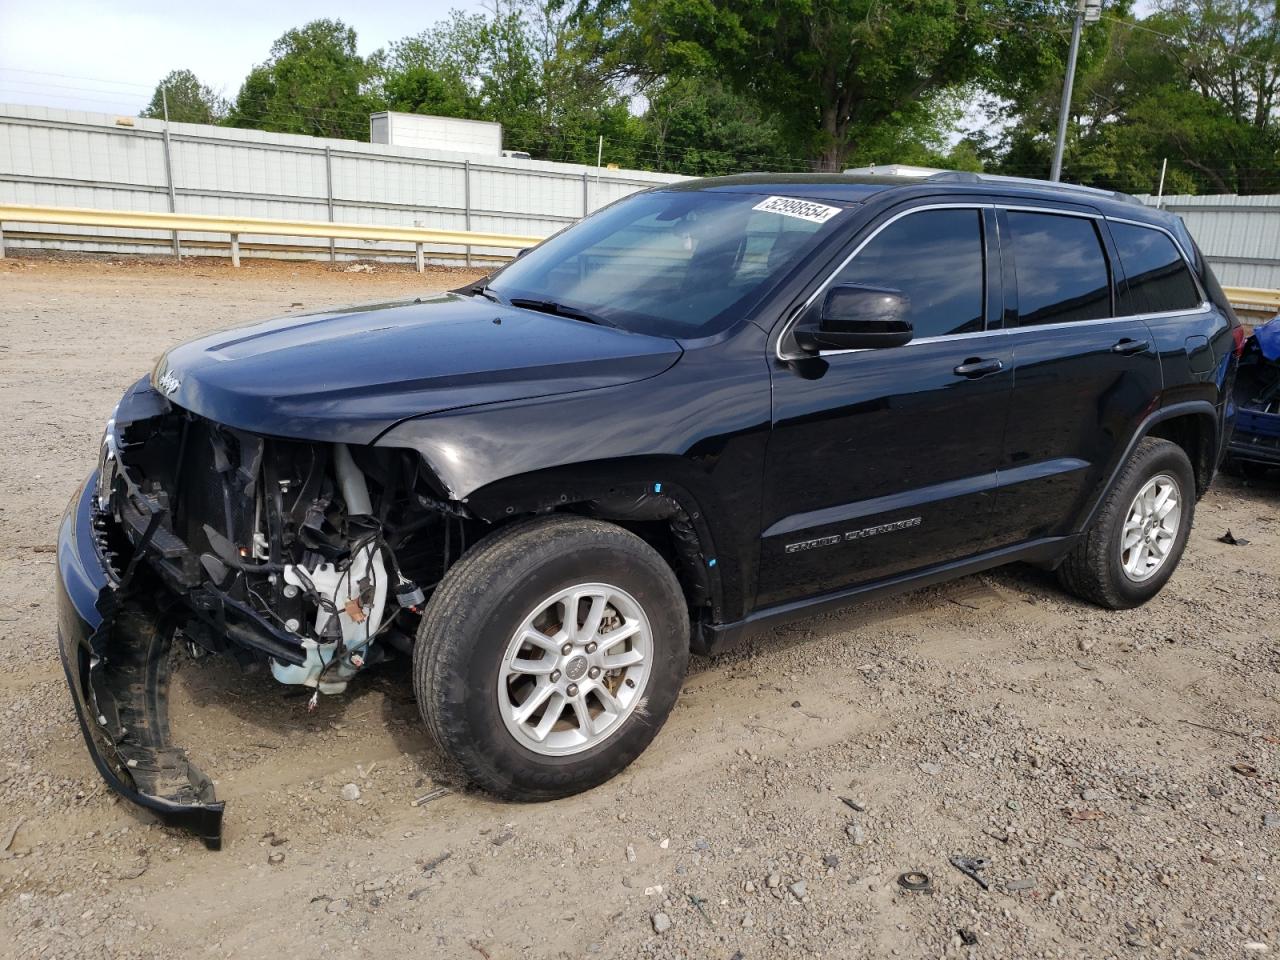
(575, 669)
(1150, 528)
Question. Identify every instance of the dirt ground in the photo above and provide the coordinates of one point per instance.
(1121, 771)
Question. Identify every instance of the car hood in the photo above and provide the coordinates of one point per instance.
(348, 375)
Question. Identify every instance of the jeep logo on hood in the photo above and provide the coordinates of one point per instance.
(169, 383)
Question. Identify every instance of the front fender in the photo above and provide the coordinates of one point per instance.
(701, 426)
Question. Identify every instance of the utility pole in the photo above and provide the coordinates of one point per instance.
(168, 166)
(1087, 11)
(599, 160)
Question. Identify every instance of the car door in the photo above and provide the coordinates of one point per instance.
(884, 461)
(1084, 377)
(1192, 339)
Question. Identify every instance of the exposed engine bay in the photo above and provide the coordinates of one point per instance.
(303, 554)
(305, 558)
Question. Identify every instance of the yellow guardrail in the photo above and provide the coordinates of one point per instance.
(235, 227)
(1258, 298)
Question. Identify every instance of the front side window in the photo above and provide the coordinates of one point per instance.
(678, 263)
(1159, 281)
(1061, 267)
(935, 257)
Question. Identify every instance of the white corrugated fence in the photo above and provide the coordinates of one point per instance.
(71, 158)
(1240, 236)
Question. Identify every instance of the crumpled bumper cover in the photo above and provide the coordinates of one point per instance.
(115, 654)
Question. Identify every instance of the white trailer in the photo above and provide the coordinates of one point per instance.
(436, 133)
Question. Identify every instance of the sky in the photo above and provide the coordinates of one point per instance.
(108, 56)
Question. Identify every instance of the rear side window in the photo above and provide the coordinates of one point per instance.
(1061, 267)
(936, 258)
(1159, 281)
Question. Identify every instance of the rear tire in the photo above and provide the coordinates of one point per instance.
(534, 701)
(1139, 533)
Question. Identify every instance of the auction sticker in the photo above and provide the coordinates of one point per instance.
(800, 209)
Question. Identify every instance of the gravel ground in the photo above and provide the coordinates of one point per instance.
(1120, 771)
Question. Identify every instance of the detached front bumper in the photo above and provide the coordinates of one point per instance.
(115, 652)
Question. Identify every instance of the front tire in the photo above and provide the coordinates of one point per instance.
(550, 656)
(1138, 536)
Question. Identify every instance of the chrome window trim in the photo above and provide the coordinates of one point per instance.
(1204, 307)
(1021, 208)
(1014, 331)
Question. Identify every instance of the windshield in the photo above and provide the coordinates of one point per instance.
(671, 263)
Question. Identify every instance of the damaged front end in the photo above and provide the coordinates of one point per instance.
(300, 556)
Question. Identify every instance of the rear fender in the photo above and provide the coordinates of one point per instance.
(1197, 408)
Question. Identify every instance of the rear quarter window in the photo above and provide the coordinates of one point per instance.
(1159, 280)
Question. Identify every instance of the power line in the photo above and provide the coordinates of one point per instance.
(311, 119)
(1061, 11)
(1136, 25)
(117, 104)
(67, 76)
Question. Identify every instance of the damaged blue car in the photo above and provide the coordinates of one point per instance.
(1255, 444)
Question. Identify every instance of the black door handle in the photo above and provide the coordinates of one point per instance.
(1128, 347)
(976, 367)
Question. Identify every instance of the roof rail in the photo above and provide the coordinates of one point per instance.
(964, 176)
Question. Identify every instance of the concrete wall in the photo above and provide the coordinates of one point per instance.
(76, 159)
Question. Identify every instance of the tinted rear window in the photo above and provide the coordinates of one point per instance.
(1061, 267)
(1159, 280)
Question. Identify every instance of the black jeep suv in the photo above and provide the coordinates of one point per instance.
(704, 409)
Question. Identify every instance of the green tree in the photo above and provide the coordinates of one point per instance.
(314, 83)
(830, 72)
(423, 89)
(920, 134)
(575, 100)
(1024, 86)
(1230, 52)
(190, 101)
(696, 126)
(451, 51)
(531, 65)
(1193, 83)
(1225, 56)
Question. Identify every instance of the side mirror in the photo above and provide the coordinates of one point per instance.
(856, 317)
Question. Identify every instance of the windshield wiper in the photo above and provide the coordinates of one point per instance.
(560, 310)
(487, 293)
